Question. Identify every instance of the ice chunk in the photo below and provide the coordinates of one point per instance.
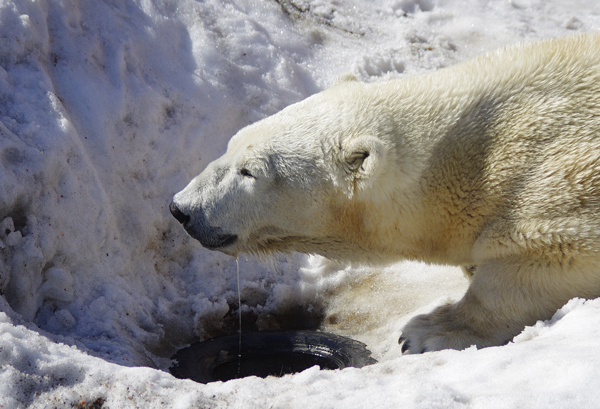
(58, 285)
(65, 318)
(7, 226)
(13, 238)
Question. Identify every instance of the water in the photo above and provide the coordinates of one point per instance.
(271, 364)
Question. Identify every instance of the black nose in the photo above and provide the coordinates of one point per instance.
(178, 214)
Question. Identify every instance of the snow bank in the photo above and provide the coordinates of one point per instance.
(554, 364)
(107, 108)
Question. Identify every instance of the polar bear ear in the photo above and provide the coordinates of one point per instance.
(363, 156)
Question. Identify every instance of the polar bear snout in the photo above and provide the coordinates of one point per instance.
(178, 214)
(210, 237)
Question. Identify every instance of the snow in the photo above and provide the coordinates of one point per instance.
(107, 108)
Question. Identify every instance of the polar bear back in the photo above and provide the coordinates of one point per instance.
(512, 148)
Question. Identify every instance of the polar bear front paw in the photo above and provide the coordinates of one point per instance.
(440, 329)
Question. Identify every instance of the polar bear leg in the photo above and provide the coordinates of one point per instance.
(504, 297)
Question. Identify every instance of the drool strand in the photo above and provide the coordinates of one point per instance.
(239, 318)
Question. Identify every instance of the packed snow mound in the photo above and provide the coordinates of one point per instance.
(554, 365)
(107, 108)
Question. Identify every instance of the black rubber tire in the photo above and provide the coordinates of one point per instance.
(267, 353)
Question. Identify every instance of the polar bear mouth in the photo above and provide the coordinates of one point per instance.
(218, 242)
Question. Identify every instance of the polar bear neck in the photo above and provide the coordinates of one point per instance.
(429, 122)
(473, 132)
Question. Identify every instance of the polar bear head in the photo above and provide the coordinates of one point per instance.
(301, 180)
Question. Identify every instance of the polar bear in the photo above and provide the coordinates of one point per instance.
(492, 164)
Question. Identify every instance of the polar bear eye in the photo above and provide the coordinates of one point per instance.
(245, 172)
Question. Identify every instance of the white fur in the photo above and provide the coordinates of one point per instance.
(493, 163)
